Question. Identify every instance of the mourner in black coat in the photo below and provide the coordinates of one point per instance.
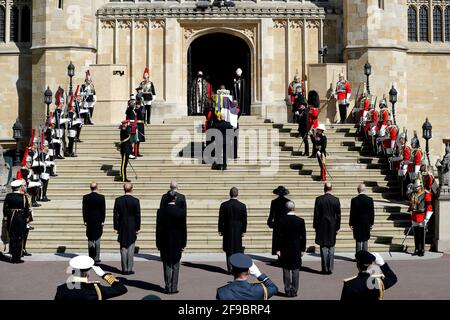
(232, 225)
(361, 218)
(171, 238)
(277, 211)
(292, 248)
(127, 223)
(327, 222)
(374, 277)
(180, 201)
(94, 211)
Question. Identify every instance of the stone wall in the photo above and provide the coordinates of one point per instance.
(15, 89)
(428, 89)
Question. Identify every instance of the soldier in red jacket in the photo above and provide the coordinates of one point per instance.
(343, 93)
(416, 158)
(428, 180)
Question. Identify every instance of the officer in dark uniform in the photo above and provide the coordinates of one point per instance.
(240, 288)
(16, 212)
(125, 150)
(80, 288)
(373, 279)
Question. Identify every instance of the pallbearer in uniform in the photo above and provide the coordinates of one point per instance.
(343, 93)
(125, 149)
(89, 97)
(16, 211)
(78, 286)
(417, 208)
(320, 149)
(148, 90)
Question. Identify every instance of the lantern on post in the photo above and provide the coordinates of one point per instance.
(427, 134)
(393, 99)
(17, 135)
(367, 72)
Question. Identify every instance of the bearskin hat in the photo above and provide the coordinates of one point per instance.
(313, 99)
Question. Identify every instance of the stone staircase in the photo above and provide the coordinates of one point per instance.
(59, 226)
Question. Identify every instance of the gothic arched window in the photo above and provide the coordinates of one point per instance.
(25, 29)
(14, 25)
(2, 23)
(423, 23)
(412, 24)
(447, 23)
(437, 24)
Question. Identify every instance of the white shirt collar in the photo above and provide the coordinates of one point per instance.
(291, 213)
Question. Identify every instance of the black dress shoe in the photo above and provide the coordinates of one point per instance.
(19, 261)
(25, 253)
(53, 175)
(35, 204)
(98, 261)
(131, 272)
(312, 156)
(174, 292)
(140, 155)
(60, 157)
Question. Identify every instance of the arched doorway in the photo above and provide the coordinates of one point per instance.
(218, 55)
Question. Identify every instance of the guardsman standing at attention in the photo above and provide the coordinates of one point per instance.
(78, 286)
(240, 288)
(148, 90)
(16, 212)
(343, 94)
(373, 279)
(125, 150)
(417, 208)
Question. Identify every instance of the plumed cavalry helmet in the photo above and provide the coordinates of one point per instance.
(313, 98)
(400, 136)
(417, 184)
(383, 103)
(415, 141)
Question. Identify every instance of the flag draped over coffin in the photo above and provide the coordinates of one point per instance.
(223, 105)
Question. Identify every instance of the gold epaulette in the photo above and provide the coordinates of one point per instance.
(348, 279)
(109, 278)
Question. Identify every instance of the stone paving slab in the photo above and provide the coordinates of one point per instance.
(200, 275)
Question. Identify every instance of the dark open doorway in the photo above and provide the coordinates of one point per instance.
(218, 55)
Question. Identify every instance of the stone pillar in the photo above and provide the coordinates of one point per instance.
(442, 230)
(169, 105)
(7, 22)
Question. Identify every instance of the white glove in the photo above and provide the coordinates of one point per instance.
(98, 271)
(254, 271)
(378, 259)
(297, 113)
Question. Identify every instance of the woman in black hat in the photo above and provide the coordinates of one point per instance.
(277, 210)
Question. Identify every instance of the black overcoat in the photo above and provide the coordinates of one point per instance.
(277, 211)
(94, 211)
(127, 219)
(292, 241)
(232, 225)
(171, 233)
(327, 219)
(361, 217)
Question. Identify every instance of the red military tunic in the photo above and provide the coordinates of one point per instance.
(374, 120)
(407, 157)
(418, 212)
(292, 89)
(384, 119)
(392, 131)
(343, 88)
(313, 121)
(428, 184)
(417, 161)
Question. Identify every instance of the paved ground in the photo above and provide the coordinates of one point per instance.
(200, 275)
